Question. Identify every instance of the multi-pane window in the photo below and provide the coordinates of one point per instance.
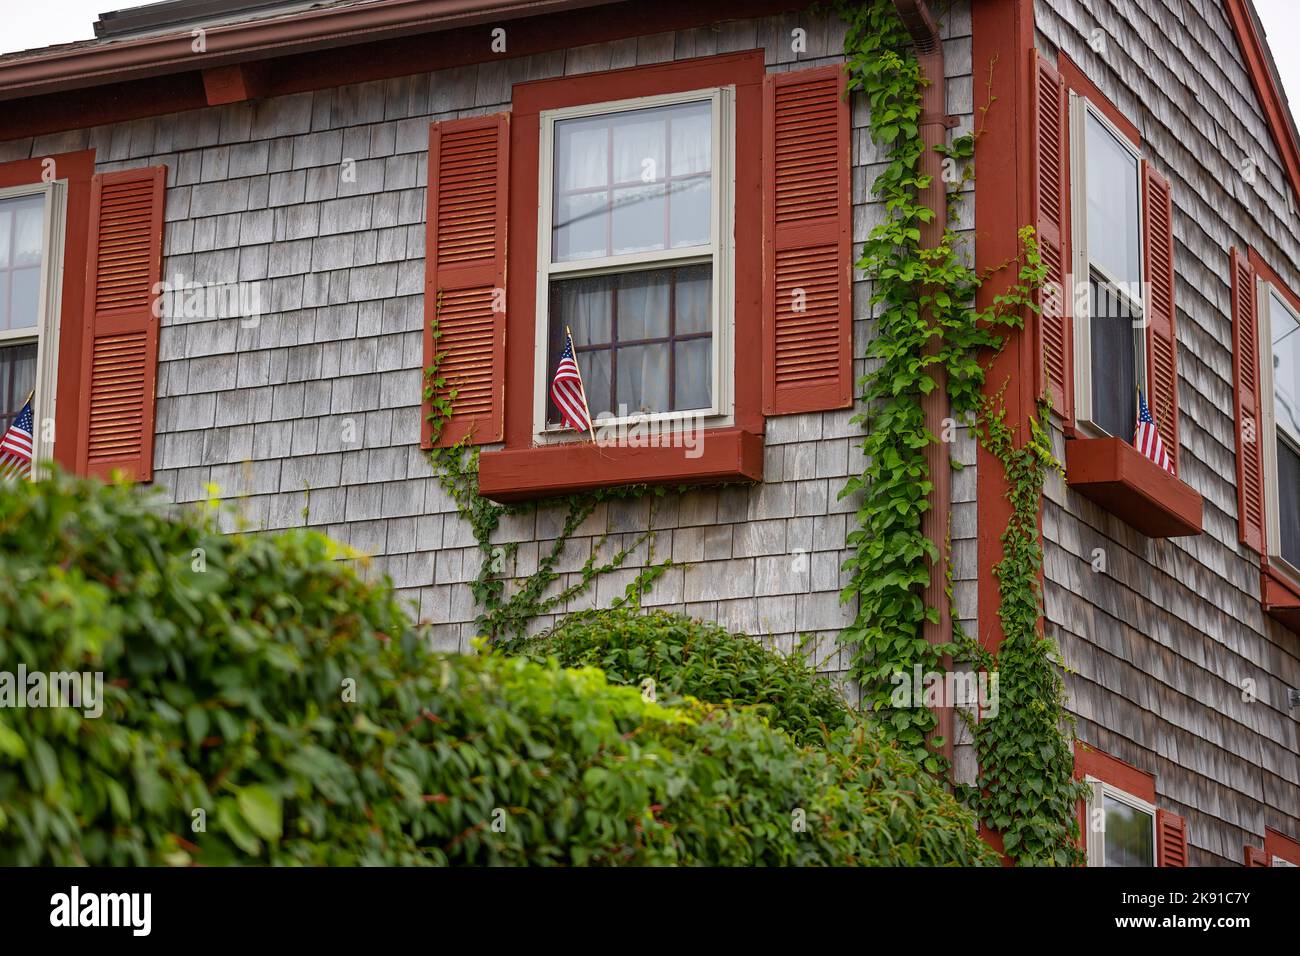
(23, 239)
(634, 254)
(1280, 392)
(1109, 326)
(1121, 828)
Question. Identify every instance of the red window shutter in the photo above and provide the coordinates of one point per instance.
(1254, 856)
(807, 243)
(465, 276)
(120, 356)
(1250, 445)
(1171, 833)
(1162, 342)
(1051, 217)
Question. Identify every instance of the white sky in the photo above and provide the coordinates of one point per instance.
(25, 24)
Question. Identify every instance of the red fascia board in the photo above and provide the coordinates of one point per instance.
(1116, 476)
(309, 30)
(725, 455)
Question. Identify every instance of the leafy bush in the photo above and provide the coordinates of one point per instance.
(687, 657)
(254, 685)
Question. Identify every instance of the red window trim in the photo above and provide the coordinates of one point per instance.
(1091, 762)
(77, 168)
(1279, 587)
(1277, 843)
(1076, 81)
(523, 470)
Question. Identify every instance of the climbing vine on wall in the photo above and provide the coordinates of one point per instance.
(922, 294)
(508, 604)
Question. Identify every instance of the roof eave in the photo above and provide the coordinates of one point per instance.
(116, 61)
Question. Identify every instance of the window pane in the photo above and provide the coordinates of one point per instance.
(1128, 835)
(585, 306)
(581, 226)
(694, 297)
(614, 175)
(691, 213)
(646, 336)
(581, 154)
(1113, 217)
(595, 368)
(29, 230)
(643, 305)
(1114, 365)
(17, 379)
(643, 379)
(26, 299)
(692, 132)
(1286, 366)
(1288, 498)
(639, 146)
(22, 238)
(693, 374)
(639, 219)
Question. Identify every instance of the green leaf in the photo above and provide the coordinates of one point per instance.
(262, 810)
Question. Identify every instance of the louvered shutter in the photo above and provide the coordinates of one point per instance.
(1171, 834)
(1254, 856)
(1250, 439)
(120, 354)
(1051, 217)
(807, 243)
(465, 276)
(1162, 342)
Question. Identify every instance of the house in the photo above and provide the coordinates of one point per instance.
(276, 203)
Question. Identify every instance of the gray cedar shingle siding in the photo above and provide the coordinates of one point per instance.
(257, 192)
(312, 416)
(1162, 643)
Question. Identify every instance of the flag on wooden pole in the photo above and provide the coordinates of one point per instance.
(16, 445)
(567, 391)
(1146, 438)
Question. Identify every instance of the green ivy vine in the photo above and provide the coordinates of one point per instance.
(920, 294)
(509, 604)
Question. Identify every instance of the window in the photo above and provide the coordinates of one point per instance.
(1121, 828)
(1279, 337)
(30, 267)
(634, 257)
(1110, 338)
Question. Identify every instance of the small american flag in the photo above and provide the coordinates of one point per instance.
(567, 391)
(16, 446)
(1147, 437)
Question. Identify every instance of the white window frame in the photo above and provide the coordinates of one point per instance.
(720, 252)
(1081, 266)
(1266, 294)
(1097, 837)
(46, 332)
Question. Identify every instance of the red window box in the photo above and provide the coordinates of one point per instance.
(724, 454)
(1116, 476)
(1281, 597)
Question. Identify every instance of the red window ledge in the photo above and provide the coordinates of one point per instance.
(728, 454)
(1116, 476)
(1281, 597)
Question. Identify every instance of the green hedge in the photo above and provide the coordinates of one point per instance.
(230, 662)
(688, 657)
